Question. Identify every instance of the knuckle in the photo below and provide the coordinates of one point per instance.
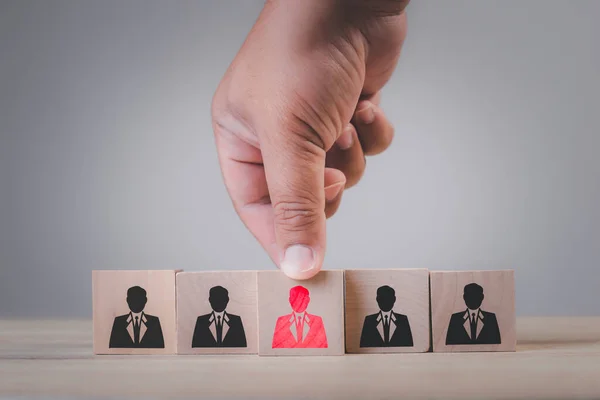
(312, 119)
(297, 214)
(309, 135)
(353, 177)
(383, 144)
(379, 141)
(220, 102)
(230, 121)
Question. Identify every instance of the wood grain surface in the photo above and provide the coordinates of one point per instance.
(447, 289)
(326, 301)
(556, 358)
(110, 301)
(192, 301)
(411, 288)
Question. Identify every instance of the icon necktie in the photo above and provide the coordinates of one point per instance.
(136, 331)
(299, 329)
(473, 327)
(219, 331)
(386, 330)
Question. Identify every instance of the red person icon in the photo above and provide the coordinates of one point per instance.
(299, 329)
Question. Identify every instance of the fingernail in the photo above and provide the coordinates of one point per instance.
(332, 191)
(298, 262)
(366, 115)
(346, 139)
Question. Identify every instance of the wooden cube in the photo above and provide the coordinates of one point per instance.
(387, 311)
(134, 312)
(216, 313)
(300, 317)
(473, 311)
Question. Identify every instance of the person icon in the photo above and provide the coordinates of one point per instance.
(386, 328)
(299, 329)
(219, 328)
(136, 329)
(473, 326)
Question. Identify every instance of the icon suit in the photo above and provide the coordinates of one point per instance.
(459, 329)
(122, 334)
(286, 337)
(205, 331)
(372, 334)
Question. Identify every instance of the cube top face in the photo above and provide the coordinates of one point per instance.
(387, 311)
(217, 313)
(473, 311)
(134, 312)
(301, 317)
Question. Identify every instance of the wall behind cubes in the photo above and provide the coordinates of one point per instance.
(107, 157)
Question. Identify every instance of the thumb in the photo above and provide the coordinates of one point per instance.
(296, 177)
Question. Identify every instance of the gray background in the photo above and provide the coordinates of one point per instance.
(107, 157)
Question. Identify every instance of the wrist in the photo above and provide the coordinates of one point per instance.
(366, 8)
(374, 8)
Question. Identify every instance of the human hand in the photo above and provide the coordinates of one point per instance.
(296, 113)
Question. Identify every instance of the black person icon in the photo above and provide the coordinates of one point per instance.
(386, 328)
(473, 326)
(219, 328)
(136, 329)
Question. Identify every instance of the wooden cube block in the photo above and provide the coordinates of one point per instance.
(216, 313)
(473, 311)
(134, 312)
(387, 311)
(300, 317)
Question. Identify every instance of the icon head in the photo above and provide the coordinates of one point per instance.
(136, 299)
(386, 297)
(299, 298)
(473, 296)
(218, 298)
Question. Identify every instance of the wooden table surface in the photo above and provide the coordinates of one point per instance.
(556, 358)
